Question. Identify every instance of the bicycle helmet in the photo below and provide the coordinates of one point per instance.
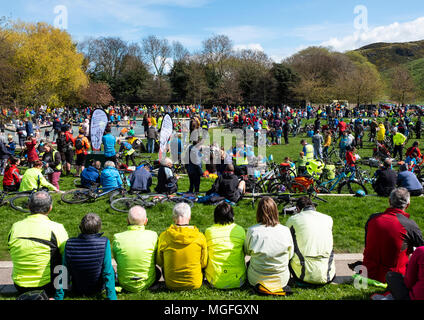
(360, 194)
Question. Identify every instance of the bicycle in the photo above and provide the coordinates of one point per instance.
(344, 181)
(146, 201)
(20, 201)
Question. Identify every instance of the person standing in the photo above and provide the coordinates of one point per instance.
(194, 167)
(109, 142)
(81, 147)
(317, 141)
(152, 135)
(398, 141)
(52, 160)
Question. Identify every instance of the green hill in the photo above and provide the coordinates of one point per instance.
(388, 55)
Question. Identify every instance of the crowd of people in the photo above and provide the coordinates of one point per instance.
(299, 253)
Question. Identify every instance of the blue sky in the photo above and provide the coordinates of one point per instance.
(280, 28)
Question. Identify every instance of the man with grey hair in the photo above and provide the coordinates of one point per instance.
(390, 237)
(182, 252)
(135, 253)
(110, 178)
(167, 181)
(88, 261)
(36, 245)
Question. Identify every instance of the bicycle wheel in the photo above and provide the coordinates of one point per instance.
(77, 182)
(20, 202)
(351, 187)
(125, 204)
(118, 194)
(76, 196)
(277, 187)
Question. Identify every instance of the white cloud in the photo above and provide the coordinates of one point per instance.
(395, 32)
(249, 46)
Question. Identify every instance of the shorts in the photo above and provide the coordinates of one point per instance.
(80, 161)
(69, 156)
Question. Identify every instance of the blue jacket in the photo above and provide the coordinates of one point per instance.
(109, 145)
(90, 175)
(110, 179)
(408, 180)
(89, 263)
(29, 128)
(141, 180)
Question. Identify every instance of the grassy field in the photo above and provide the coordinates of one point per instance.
(349, 215)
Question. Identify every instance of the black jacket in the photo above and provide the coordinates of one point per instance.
(386, 182)
(226, 186)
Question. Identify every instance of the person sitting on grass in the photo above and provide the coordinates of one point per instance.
(410, 287)
(36, 244)
(229, 186)
(270, 246)
(167, 181)
(182, 252)
(386, 179)
(12, 178)
(110, 178)
(390, 238)
(313, 261)
(88, 261)
(135, 253)
(408, 180)
(33, 179)
(90, 176)
(141, 180)
(226, 268)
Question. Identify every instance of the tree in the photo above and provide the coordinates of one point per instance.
(51, 66)
(197, 85)
(402, 85)
(97, 93)
(179, 77)
(285, 81)
(157, 52)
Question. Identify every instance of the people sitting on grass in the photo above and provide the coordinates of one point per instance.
(386, 179)
(167, 180)
(270, 246)
(135, 253)
(390, 238)
(410, 286)
(12, 178)
(87, 262)
(408, 180)
(228, 186)
(36, 245)
(90, 176)
(226, 268)
(313, 261)
(110, 178)
(33, 179)
(182, 252)
(140, 180)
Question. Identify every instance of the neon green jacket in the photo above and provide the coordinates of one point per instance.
(31, 178)
(309, 154)
(226, 267)
(399, 139)
(313, 260)
(31, 258)
(134, 251)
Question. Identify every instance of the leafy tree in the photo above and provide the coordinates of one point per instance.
(402, 85)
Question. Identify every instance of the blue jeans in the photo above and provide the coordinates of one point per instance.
(151, 145)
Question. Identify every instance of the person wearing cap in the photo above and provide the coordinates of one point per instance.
(313, 261)
(408, 180)
(386, 179)
(390, 237)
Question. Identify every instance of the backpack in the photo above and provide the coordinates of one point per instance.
(79, 145)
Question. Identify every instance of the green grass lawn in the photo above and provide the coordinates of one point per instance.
(349, 216)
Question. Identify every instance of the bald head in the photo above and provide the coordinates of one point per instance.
(137, 216)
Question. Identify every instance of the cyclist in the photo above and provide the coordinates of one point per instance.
(91, 175)
(12, 178)
(110, 178)
(33, 179)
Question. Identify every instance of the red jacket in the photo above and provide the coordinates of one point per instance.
(414, 278)
(350, 159)
(11, 176)
(389, 239)
(31, 151)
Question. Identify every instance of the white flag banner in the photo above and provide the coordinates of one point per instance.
(165, 134)
(98, 125)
